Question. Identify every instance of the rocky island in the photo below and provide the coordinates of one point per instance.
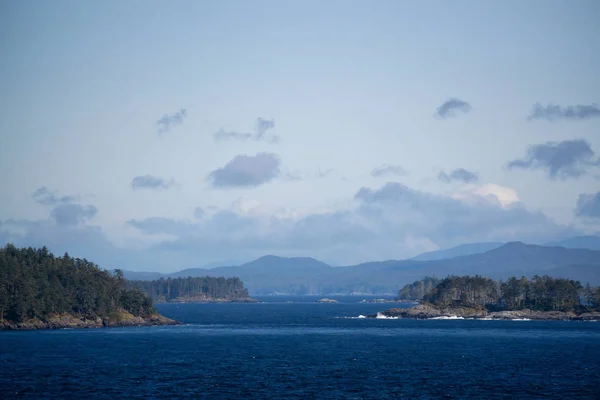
(426, 311)
(204, 289)
(41, 291)
(326, 300)
(541, 298)
(70, 321)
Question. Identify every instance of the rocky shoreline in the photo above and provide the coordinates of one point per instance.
(69, 321)
(203, 300)
(423, 311)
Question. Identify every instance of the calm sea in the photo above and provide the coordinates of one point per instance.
(293, 348)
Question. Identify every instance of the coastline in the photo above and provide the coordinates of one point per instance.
(202, 300)
(423, 311)
(70, 321)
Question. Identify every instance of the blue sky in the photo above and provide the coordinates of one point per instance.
(162, 135)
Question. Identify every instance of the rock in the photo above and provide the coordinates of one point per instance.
(326, 300)
(378, 301)
(545, 315)
(425, 311)
(590, 316)
(62, 321)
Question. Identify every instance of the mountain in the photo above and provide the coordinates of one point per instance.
(590, 242)
(514, 258)
(194, 272)
(300, 276)
(589, 273)
(457, 251)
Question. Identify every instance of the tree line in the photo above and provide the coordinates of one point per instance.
(418, 289)
(36, 284)
(202, 288)
(540, 293)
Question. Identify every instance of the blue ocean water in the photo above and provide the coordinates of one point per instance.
(293, 348)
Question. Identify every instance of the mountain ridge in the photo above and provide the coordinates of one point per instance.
(305, 275)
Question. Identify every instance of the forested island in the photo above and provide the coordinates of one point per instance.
(41, 291)
(541, 297)
(198, 290)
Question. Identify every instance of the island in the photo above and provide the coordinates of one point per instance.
(326, 300)
(204, 289)
(41, 291)
(476, 297)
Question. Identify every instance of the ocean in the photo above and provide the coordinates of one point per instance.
(294, 348)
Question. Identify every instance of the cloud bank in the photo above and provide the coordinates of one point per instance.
(460, 175)
(169, 121)
(387, 170)
(64, 210)
(246, 171)
(451, 107)
(263, 126)
(588, 205)
(391, 221)
(554, 112)
(561, 160)
(151, 182)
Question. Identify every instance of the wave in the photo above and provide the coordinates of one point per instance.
(359, 317)
(382, 316)
(448, 317)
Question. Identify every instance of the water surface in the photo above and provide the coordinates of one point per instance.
(291, 347)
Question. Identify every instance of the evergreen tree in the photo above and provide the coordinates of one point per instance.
(36, 284)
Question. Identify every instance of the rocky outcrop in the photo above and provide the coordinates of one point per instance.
(425, 311)
(202, 299)
(386, 301)
(544, 315)
(326, 300)
(66, 321)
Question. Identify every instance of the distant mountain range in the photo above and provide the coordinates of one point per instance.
(460, 250)
(296, 275)
(578, 242)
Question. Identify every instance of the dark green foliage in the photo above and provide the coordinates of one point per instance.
(36, 284)
(595, 298)
(470, 291)
(417, 290)
(541, 293)
(203, 288)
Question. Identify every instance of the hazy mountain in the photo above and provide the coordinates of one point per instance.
(514, 258)
(579, 242)
(589, 273)
(150, 276)
(271, 274)
(457, 251)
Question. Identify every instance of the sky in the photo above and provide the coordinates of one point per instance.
(157, 136)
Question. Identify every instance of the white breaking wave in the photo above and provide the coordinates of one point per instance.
(447, 317)
(521, 319)
(382, 316)
(359, 317)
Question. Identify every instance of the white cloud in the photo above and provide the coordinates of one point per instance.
(496, 194)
